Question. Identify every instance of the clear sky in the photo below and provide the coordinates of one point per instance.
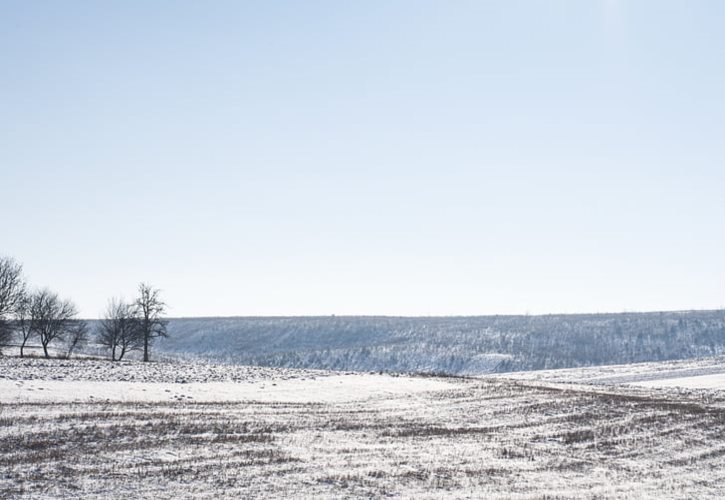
(371, 157)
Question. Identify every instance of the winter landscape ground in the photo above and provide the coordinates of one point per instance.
(93, 429)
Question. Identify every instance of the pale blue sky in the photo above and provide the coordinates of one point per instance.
(371, 157)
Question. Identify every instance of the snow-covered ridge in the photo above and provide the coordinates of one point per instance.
(93, 370)
(87, 380)
(454, 345)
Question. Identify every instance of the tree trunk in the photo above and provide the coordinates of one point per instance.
(146, 348)
(45, 350)
(22, 347)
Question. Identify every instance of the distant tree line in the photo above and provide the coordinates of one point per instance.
(42, 315)
(453, 345)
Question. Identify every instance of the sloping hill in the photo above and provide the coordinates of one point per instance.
(456, 345)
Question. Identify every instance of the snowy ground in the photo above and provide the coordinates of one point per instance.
(234, 432)
(660, 374)
(99, 370)
(33, 380)
(716, 381)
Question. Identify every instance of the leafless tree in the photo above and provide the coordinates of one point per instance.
(119, 330)
(12, 286)
(51, 318)
(77, 337)
(150, 309)
(23, 320)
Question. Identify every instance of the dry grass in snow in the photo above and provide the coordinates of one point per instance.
(434, 438)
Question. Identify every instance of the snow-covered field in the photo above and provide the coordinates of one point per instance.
(715, 381)
(92, 429)
(83, 381)
(683, 373)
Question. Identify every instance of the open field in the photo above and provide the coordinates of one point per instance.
(402, 437)
(657, 374)
(714, 381)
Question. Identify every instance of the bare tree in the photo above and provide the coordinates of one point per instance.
(51, 318)
(150, 309)
(23, 320)
(12, 286)
(119, 330)
(77, 337)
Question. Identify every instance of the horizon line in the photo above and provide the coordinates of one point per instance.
(449, 316)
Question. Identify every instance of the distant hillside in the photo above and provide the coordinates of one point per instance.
(456, 345)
